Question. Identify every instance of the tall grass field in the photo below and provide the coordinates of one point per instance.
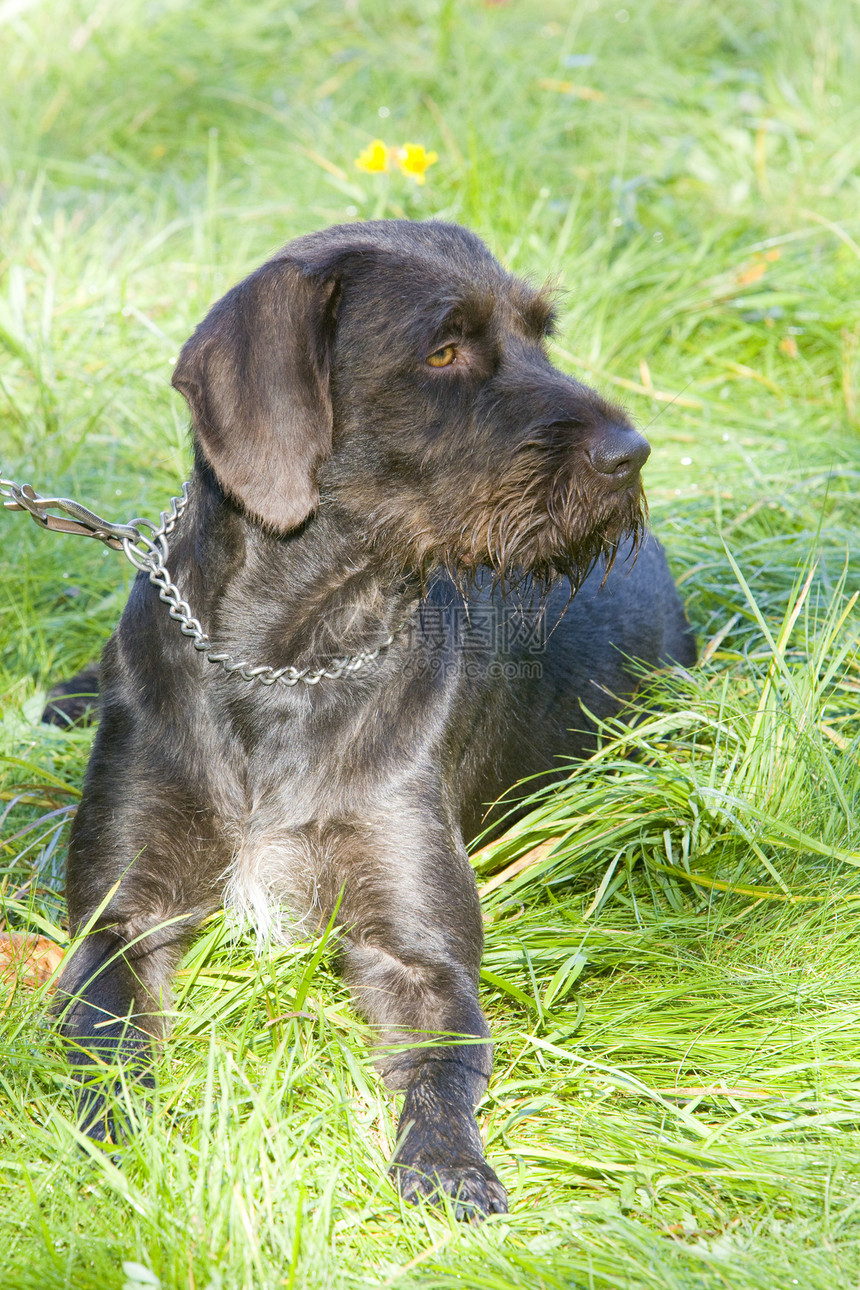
(672, 966)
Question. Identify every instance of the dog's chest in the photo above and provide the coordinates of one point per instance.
(311, 797)
(276, 881)
(301, 841)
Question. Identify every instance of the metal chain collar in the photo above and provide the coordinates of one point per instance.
(149, 553)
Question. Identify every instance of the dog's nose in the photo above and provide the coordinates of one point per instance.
(620, 452)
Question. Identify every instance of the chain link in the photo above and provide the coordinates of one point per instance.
(149, 553)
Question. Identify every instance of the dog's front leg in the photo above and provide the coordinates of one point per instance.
(412, 957)
(440, 1148)
(141, 876)
(111, 997)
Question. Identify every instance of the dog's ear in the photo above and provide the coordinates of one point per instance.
(255, 374)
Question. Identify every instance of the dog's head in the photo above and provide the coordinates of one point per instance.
(397, 371)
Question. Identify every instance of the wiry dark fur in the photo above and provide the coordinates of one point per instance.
(344, 490)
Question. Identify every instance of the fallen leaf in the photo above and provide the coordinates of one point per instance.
(27, 960)
(753, 274)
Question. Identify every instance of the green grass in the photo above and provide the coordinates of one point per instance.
(673, 979)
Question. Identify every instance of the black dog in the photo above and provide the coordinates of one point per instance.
(382, 450)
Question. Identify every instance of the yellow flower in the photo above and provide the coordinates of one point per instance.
(373, 158)
(413, 159)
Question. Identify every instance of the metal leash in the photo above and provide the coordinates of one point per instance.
(149, 553)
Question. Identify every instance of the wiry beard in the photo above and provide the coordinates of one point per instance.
(538, 526)
(562, 536)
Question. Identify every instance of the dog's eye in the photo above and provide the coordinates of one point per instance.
(443, 357)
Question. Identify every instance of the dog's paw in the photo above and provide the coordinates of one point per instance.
(473, 1189)
(440, 1157)
(100, 1118)
(106, 1113)
(95, 1117)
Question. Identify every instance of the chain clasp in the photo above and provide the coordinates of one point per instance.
(84, 521)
